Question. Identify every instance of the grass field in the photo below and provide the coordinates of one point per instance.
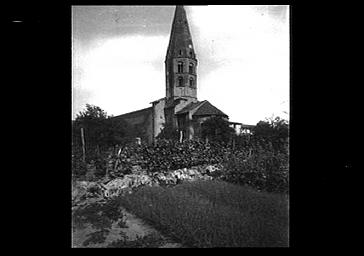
(213, 214)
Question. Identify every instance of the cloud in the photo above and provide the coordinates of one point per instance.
(92, 22)
(243, 54)
(121, 72)
(80, 97)
(278, 12)
(244, 59)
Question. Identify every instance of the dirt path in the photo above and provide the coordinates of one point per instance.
(135, 229)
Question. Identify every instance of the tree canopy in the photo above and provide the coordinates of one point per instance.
(168, 132)
(274, 130)
(217, 129)
(100, 130)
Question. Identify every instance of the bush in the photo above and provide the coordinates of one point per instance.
(78, 166)
(169, 133)
(274, 130)
(217, 129)
(100, 215)
(253, 161)
(258, 163)
(265, 171)
(153, 240)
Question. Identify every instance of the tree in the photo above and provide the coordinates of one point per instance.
(274, 130)
(100, 130)
(93, 121)
(217, 129)
(168, 132)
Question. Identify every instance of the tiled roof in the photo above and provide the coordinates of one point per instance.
(134, 113)
(208, 109)
(189, 107)
(205, 108)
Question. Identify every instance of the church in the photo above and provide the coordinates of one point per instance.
(180, 107)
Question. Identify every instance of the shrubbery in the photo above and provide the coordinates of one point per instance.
(254, 162)
(260, 167)
(259, 160)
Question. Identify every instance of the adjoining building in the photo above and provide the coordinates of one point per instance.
(180, 107)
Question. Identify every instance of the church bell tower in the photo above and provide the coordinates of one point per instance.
(181, 62)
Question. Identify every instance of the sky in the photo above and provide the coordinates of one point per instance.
(118, 55)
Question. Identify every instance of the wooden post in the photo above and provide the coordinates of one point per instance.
(98, 150)
(138, 141)
(180, 136)
(117, 159)
(83, 146)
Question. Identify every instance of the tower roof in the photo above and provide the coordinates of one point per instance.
(180, 34)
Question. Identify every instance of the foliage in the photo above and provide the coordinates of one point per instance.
(217, 129)
(78, 166)
(100, 133)
(168, 132)
(115, 132)
(100, 215)
(259, 160)
(252, 161)
(92, 120)
(213, 214)
(274, 130)
(262, 169)
(100, 130)
(91, 113)
(96, 237)
(153, 240)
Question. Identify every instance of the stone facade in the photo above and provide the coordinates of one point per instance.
(158, 116)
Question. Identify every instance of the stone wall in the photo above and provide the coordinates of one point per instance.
(141, 123)
(158, 116)
(105, 188)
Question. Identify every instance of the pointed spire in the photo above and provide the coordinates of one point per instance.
(180, 39)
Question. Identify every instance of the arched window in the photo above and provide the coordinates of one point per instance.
(180, 67)
(180, 81)
(191, 71)
(191, 82)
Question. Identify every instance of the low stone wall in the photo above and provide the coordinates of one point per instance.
(103, 189)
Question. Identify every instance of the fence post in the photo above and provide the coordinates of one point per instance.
(83, 146)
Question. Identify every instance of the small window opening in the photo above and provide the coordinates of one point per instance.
(180, 67)
(191, 71)
(191, 82)
(180, 81)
